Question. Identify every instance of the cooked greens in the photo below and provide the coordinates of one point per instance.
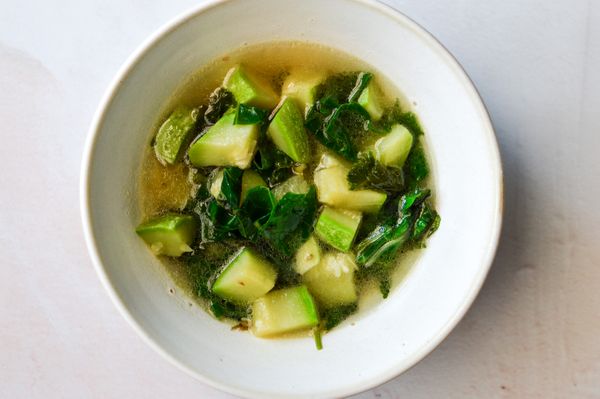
(298, 201)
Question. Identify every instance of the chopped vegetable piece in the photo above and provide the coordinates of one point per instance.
(287, 132)
(295, 184)
(225, 144)
(338, 227)
(370, 99)
(284, 311)
(247, 277)
(215, 184)
(393, 149)
(175, 134)
(333, 189)
(307, 256)
(332, 280)
(302, 88)
(249, 89)
(250, 179)
(169, 235)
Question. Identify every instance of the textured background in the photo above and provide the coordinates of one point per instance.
(533, 332)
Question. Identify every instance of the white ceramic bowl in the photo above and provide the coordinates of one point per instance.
(376, 345)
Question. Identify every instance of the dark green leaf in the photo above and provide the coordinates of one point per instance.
(362, 81)
(412, 199)
(248, 115)
(291, 222)
(424, 221)
(258, 205)
(272, 164)
(337, 88)
(368, 173)
(415, 167)
(218, 103)
(231, 187)
(331, 317)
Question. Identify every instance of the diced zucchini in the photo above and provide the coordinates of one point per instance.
(307, 256)
(393, 148)
(333, 189)
(225, 144)
(247, 277)
(169, 235)
(215, 184)
(332, 280)
(295, 184)
(302, 88)
(370, 99)
(287, 132)
(338, 227)
(284, 311)
(175, 134)
(248, 88)
(250, 179)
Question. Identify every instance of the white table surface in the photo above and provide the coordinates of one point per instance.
(533, 332)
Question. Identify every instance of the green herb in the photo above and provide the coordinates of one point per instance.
(415, 167)
(387, 238)
(333, 316)
(218, 103)
(291, 222)
(367, 172)
(362, 80)
(273, 165)
(248, 115)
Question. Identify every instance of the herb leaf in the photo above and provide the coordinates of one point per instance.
(291, 222)
(248, 115)
(219, 102)
(367, 172)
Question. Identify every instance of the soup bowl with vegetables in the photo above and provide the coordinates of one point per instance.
(286, 205)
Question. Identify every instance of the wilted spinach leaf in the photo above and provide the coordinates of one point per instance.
(416, 168)
(333, 316)
(231, 187)
(219, 102)
(249, 115)
(362, 80)
(367, 173)
(291, 222)
(273, 165)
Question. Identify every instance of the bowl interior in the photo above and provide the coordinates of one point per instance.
(376, 345)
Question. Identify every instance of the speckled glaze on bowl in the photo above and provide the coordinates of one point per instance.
(376, 345)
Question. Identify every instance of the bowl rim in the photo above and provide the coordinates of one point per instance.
(90, 239)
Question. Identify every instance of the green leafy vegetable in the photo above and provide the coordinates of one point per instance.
(273, 165)
(362, 80)
(336, 89)
(394, 115)
(231, 187)
(333, 316)
(367, 173)
(291, 222)
(387, 238)
(258, 205)
(415, 167)
(249, 115)
(218, 103)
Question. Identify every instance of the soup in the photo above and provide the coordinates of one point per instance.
(283, 180)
